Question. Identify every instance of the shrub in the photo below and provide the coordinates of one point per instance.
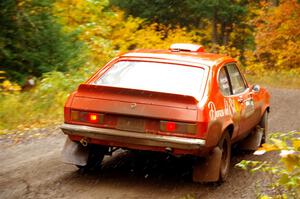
(284, 172)
(42, 105)
(32, 41)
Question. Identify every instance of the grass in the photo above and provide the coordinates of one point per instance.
(41, 106)
(276, 79)
(24, 111)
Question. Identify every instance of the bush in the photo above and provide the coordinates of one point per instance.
(284, 172)
(40, 106)
(32, 41)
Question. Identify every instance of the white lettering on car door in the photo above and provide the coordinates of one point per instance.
(229, 109)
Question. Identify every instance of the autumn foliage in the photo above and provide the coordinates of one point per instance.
(278, 36)
(283, 172)
(61, 43)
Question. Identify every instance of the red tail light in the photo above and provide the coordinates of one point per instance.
(82, 116)
(170, 126)
(178, 127)
(93, 118)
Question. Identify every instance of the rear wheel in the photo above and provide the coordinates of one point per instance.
(215, 167)
(96, 155)
(225, 146)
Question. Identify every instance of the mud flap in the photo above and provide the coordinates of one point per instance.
(74, 153)
(253, 141)
(208, 170)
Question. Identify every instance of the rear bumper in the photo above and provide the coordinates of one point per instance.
(133, 138)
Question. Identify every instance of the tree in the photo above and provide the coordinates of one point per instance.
(278, 36)
(223, 15)
(94, 24)
(32, 42)
(174, 12)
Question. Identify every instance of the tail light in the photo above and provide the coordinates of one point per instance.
(178, 127)
(82, 116)
(93, 118)
(170, 126)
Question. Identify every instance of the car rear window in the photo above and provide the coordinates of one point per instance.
(153, 76)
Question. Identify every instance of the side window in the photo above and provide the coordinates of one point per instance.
(237, 82)
(223, 82)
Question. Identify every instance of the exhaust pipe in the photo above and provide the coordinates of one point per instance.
(169, 150)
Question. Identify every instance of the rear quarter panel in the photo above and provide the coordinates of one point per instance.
(219, 111)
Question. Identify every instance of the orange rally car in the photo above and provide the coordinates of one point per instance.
(181, 101)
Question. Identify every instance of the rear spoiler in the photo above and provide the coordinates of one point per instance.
(85, 89)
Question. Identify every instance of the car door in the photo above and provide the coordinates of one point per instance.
(243, 96)
(232, 108)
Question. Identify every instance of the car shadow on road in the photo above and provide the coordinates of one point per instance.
(157, 175)
(154, 168)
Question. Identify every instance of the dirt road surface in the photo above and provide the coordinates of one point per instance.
(32, 168)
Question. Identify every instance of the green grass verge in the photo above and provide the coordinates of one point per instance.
(276, 79)
(41, 106)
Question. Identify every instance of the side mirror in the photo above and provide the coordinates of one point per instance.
(256, 88)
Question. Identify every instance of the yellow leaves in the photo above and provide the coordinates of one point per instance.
(280, 25)
(21, 3)
(133, 34)
(291, 162)
(93, 24)
(123, 35)
(296, 144)
(108, 33)
(289, 153)
(265, 197)
(268, 147)
(7, 86)
(283, 168)
(279, 143)
(2, 75)
(180, 35)
(80, 13)
(226, 50)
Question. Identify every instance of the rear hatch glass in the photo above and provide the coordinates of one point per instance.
(154, 76)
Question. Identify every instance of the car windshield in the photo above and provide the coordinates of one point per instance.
(153, 76)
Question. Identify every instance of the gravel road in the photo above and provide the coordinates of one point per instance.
(31, 167)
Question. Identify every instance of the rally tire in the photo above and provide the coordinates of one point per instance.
(225, 147)
(96, 155)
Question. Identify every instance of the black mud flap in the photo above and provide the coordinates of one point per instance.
(209, 169)
(253, 141)
(74, 153)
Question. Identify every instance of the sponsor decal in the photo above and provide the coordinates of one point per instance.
(229, 109)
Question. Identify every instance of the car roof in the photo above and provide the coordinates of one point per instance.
(202, 58)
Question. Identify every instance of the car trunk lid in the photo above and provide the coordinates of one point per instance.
(132, 102)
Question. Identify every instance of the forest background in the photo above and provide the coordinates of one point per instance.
(48, 47)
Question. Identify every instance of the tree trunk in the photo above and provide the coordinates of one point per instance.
(228, 31)
(223, 36)
(215, 28)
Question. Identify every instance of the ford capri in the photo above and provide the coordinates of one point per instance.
(181, 101)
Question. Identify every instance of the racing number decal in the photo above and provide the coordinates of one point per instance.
(229, 109)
